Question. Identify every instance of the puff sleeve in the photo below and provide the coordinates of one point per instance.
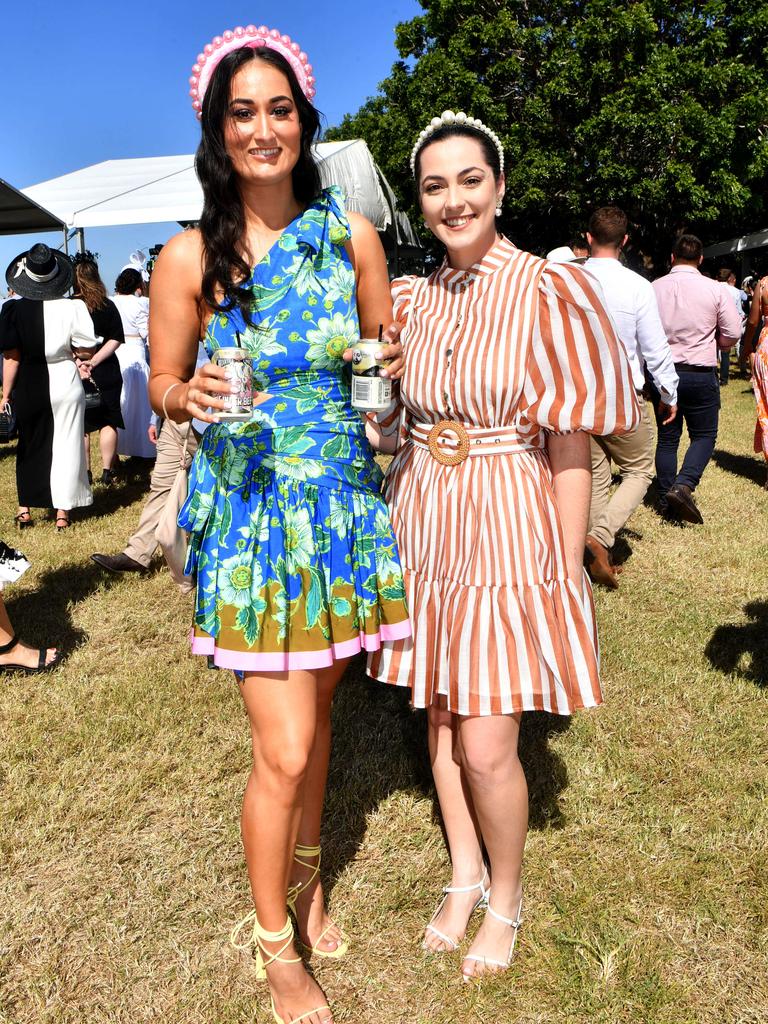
(402, 293)
(81, 334)
(578, 376)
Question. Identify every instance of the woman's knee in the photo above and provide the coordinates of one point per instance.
(286, 762)
(486, 755)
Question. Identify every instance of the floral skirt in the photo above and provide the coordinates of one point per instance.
(760, 387)
(291, 573)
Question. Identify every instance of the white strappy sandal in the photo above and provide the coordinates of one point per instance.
(482, 900)
(514, 924)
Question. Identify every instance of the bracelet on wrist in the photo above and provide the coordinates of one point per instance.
(165, 397)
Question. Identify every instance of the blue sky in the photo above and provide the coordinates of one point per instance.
(85, 82)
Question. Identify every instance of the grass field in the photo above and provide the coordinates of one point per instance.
(646, 871)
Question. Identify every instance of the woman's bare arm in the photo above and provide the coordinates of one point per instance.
(752, 321)
(175, 327)
(106, 350)
(374, 307)
(572, 481)
(374, 298)
(10, 369)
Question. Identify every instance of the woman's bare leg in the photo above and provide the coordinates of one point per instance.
(500, 797)
(108, 447)
(21, 654)
(460, 826)
(282, 709)
(311, 915)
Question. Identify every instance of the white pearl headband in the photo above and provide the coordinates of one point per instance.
(449, 118)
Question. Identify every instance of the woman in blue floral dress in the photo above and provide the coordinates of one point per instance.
(296, 563)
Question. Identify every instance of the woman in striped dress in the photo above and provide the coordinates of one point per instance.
(509, 361)
(758, 324)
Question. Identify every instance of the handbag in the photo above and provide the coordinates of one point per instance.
(93, 397)
(168, 534)
(8, 429)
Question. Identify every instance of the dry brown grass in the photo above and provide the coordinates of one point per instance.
(646, 866)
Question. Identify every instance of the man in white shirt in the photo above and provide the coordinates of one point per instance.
(632, 304)
(728, 279)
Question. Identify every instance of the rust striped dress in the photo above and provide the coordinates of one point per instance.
(512, 349)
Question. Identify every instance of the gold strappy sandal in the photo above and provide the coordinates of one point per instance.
(263, 959)
(304, 855)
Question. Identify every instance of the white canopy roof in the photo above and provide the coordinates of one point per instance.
(746, 243)
(19, 214)
(165, 188)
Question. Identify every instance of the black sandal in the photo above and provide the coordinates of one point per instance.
(41, 655)
(62, 523)
(23, 520)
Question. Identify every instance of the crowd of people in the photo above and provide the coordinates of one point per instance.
(65, 377)
(522, 383)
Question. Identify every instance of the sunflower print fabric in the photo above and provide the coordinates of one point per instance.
(290, 539)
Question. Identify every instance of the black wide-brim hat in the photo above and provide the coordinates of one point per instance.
(40, 273)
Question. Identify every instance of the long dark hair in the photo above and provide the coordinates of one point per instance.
(88, 284)
(128, 281)
(222, 224)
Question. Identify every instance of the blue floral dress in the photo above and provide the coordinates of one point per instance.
(290, 539)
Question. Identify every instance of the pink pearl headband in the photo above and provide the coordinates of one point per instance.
(235, 39)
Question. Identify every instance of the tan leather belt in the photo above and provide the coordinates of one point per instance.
(450, 443)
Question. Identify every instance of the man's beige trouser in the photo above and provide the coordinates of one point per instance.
(170, 446)
(632, 454)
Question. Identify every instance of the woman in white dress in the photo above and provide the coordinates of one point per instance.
(37, 337)
(133, 307)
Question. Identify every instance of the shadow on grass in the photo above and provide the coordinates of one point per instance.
(622, 550)
(131, 485)
(731, 642)
(380, 748)
(747, 466)
(545, 771)
(43, 617)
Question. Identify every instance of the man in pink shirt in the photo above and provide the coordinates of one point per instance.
(699, 318)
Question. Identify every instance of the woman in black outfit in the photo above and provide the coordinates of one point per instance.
(38, 334)
(101, 373)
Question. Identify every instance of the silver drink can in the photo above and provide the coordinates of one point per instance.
(370, 391)
(239, 403)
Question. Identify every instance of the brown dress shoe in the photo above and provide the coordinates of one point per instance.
(599, 564)
(118, 563)
(680, 501)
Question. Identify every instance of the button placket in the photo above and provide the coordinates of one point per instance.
(462, 297)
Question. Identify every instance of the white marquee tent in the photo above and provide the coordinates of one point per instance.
(747, 243)
(165, 188)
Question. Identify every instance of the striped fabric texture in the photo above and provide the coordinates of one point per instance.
(519, 348)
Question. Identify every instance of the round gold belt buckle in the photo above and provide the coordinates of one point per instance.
(448, 458)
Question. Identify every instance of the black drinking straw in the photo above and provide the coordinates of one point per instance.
(381, 330)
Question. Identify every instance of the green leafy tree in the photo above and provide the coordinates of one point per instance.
(658, 106)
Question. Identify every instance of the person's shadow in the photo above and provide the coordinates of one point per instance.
(545, 771)
(131, 484)
(43, 616)
(747, 466)
(622, 549)
(380, 747)
(742, 650)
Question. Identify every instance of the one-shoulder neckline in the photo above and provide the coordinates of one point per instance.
(277, 241)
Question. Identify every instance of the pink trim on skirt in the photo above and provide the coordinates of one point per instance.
(285, 661)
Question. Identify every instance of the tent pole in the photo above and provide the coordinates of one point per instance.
(66, 242)
(81, 239)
